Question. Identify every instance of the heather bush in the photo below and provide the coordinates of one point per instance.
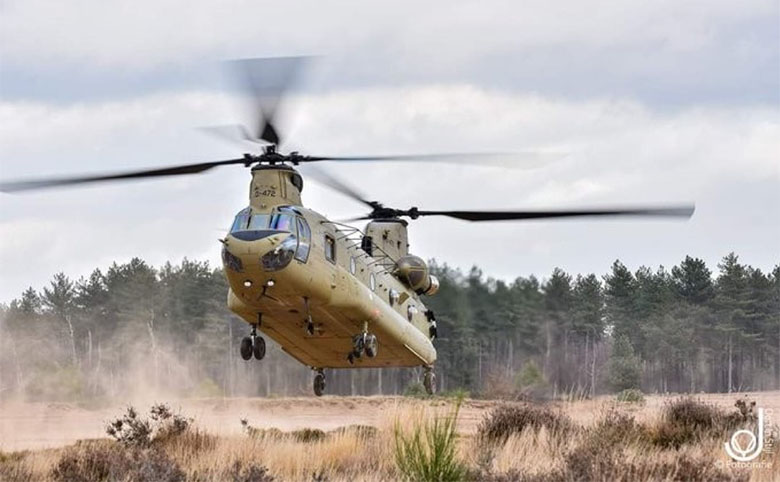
(507, 420)
(91, 461)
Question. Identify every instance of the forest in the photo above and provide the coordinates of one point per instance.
(133, 328)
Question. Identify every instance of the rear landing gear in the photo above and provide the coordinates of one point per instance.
(246, 348)
(319, 382)
(429, 381)
(253, 344)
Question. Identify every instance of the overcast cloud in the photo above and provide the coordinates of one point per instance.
(654, 102)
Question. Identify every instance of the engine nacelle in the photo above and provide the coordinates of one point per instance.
(414, 273)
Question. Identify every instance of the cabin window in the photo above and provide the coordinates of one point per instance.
(304, 240)
(393, 297)
(330, 248)
(410, 312)
(352, 265)
(372, 281)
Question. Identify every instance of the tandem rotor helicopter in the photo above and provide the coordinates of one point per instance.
(331, 295)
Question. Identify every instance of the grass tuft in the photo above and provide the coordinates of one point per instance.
(428, 453)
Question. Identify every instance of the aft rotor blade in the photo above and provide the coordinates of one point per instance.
(522, 159)
(336, 184)
(267, 80)
(672, 211)
(27, 185)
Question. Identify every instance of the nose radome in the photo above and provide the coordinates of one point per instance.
(248, 246)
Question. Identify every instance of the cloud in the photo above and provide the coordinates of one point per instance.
(664, 53)
(620, 152)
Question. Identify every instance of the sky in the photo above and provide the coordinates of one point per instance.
(651, 102)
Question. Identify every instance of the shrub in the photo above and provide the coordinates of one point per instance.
(513, 419)
(429, 452)
(13, 467)
(590, 462)
(108, 461)
(631, 395)
(616, 429)
(530, 375)
(687, 420)
(133, 430)
(308, 435)
(250, 472)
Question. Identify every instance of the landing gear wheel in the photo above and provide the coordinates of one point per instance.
(371, 346)
(358, 345)
(319, 384)
(258, 349)
(429, 382)
(246, 348)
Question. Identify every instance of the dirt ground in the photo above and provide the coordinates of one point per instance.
(41, 425)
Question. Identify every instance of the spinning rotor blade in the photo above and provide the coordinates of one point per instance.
(380, 211)
(266, 80)
(524, 159)
(235, 133)
(28, 185)
(671, 211)
(332, 182)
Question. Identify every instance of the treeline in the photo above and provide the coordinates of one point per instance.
(135, 330)
(679, 330)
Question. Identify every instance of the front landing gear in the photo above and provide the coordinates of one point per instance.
(253, 344)
(429, 381)
(364, 343)
(319, 382)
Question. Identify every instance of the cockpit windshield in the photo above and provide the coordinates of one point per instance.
(248, 221)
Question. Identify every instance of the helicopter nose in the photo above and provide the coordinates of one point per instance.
(243, 249)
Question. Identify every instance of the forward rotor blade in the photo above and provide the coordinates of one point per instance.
(267, 80)
(672, 211)
(332, 182)
(522, 159)
(235, 133)
(27, 185)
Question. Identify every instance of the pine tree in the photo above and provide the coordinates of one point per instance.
(624, 368)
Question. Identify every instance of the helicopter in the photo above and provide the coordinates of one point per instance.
(331, 295)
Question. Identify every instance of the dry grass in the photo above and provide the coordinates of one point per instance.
(581, 440)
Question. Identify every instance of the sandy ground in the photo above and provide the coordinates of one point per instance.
(40, 425)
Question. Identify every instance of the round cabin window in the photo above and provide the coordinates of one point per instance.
(372, 281)
(410, 312)
(393, 297)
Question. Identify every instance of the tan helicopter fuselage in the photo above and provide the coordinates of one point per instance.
(339, 285)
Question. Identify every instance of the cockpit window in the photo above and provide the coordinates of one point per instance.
(304, 240)
(283, 222)
(259, 221)
(241, 221)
